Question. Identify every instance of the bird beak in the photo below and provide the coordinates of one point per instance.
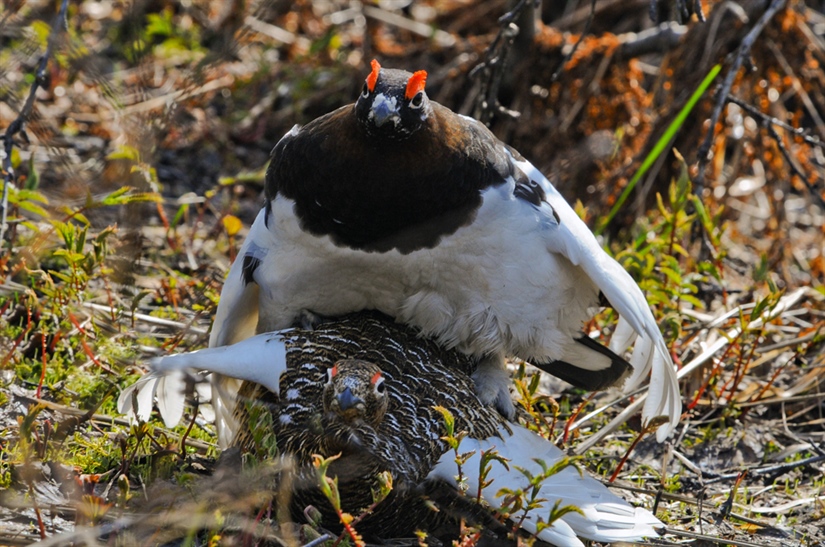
(384, 110)
(347, 400)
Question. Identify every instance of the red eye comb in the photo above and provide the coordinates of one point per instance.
(334, 370)
(375, 377)
(416, 83)
(373, 77)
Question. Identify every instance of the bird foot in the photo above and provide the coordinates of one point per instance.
(492, 383)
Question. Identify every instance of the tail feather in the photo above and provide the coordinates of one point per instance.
(589, 365)
(643, 352)
(606, 517)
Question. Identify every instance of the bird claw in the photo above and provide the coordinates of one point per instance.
(492, 383)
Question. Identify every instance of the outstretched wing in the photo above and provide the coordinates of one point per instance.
(260, 359)
(604, 516)
(567, 234)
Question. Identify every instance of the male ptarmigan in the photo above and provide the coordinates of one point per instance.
(366, 387)
(397, 204)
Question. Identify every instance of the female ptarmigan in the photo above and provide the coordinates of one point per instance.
(397, 204)
(366, 387)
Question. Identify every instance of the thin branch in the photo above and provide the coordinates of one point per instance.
(684, 9)
(660, 39)
(771, 470)
(800, 132)
(815, 192)
(494, 65)
(703, 154)
(781, 307)
(585, 31)
(17, 126)
(711, 539)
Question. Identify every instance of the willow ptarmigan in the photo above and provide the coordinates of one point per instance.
(365, 386)
(397, 204)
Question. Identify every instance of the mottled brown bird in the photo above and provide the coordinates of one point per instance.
(366, 387)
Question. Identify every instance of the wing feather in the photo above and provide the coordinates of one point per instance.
(260, 359)
(606, 517)
(572, 238)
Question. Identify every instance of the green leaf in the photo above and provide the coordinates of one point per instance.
(125, 152)
(159, 24)
(125, 195)
(672, 275)
(449, 419)
(179, 215)
(33, 180)
(41, 30)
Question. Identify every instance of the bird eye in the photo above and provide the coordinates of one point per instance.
(418, 100)
(366, 91)
(379, 386)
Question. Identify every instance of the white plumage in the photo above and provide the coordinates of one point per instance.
(516, 281)
(606, 517)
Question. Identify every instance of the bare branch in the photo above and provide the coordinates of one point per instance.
(17, 126)
(703, 154)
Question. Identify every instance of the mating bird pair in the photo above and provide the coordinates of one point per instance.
(399, 205)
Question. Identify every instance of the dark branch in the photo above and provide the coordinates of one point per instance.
(493, 68)
(800, 132)
(684, 9)
(815, 192)
(18, 125)
(585, 31)
(703, 153)
(770, 470)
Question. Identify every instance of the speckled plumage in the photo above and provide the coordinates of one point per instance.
(418, 374)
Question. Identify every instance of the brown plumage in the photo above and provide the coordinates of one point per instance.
(387, 425)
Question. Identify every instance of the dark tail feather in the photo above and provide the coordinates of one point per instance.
(591, 380)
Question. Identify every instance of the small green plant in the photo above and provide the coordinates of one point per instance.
(660, 259)
(537, 405)
(329, 487)
(519, 502)
(453, 439)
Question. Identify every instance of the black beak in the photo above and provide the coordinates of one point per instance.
(347, 400)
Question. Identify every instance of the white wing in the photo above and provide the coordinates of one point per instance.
(606, 517)
(235, 320)
(260, 359)
(237, 315)
(572, 238)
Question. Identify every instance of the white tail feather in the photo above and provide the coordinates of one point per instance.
(606, 516)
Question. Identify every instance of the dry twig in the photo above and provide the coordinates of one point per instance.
(703, 154)
(17, 126)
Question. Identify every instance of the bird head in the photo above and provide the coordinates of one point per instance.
(355, 390)
(393, 103)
